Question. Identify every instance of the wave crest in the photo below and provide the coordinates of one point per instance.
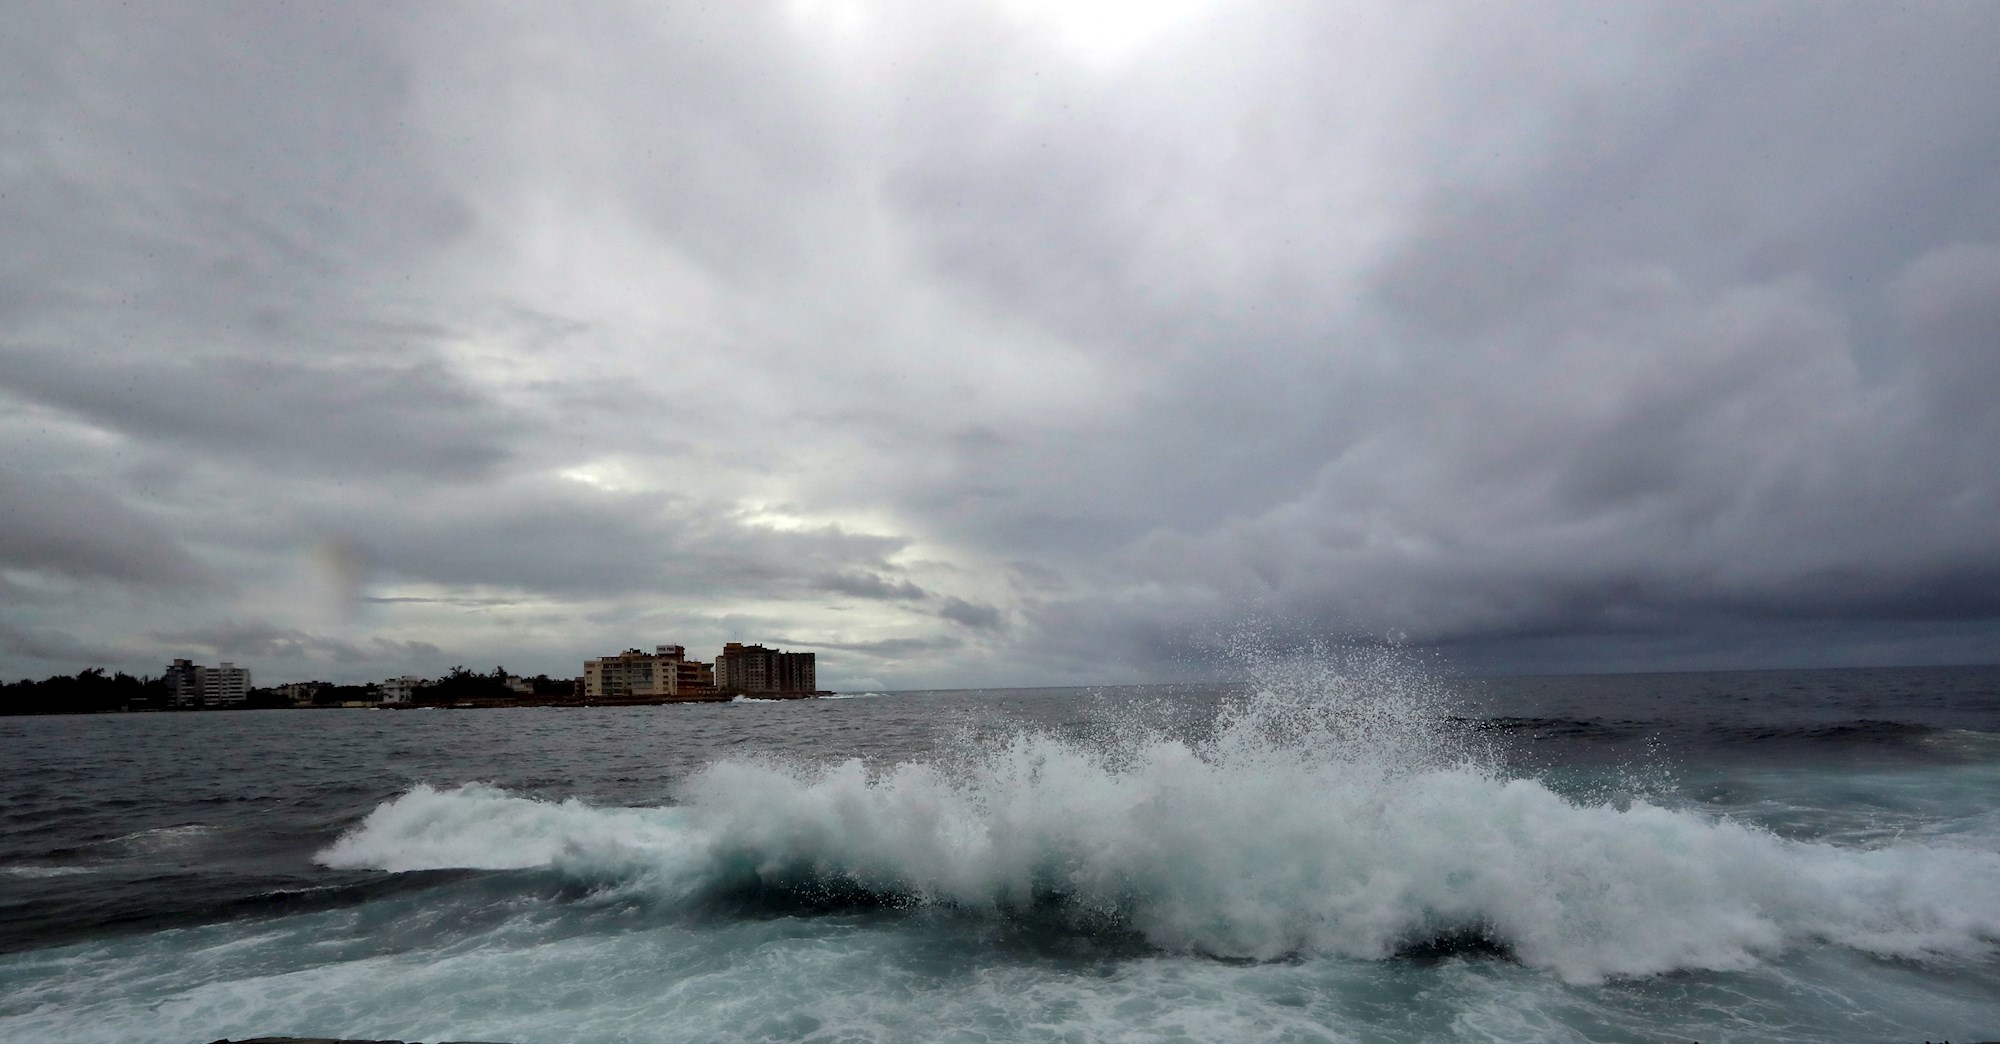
(1307, 823)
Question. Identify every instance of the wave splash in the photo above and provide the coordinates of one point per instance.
(1329, 813)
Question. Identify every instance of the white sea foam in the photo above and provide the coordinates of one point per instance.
(45, 871)
(483, 828)
(164, 837)
(1326, 815)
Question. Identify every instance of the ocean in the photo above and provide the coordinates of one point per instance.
(1351, 848)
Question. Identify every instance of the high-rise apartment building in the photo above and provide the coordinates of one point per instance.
(755, 669)
(190, 684)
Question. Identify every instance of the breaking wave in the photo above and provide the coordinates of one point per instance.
(1332, 812)
(160, 838)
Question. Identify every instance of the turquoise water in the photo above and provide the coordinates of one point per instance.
(1337, 854)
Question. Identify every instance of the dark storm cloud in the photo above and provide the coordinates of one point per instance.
(1649, 460)
(1586, 421)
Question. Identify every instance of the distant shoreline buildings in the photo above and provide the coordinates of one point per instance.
(667, 675)
(632, 677)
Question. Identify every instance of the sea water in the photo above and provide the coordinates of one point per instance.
(1345, 849)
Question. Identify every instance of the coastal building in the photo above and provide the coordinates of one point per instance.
(228, 685)
(756, 670)
(399, 689)
(190, 684)
(183, 682)
(665, 673)
(299, 694)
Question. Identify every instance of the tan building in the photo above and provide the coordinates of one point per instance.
(663, 674)
(754, 669)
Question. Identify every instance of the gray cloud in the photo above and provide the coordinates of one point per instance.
(887, 648)
(976, 615)
(1539, 338)
(351, 417)
(64, 528)
(38, 644)
(240, 640)
(574, 541)
(870, 585)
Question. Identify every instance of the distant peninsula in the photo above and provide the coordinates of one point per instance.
(630, 678)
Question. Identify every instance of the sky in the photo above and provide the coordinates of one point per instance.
(1036, 342)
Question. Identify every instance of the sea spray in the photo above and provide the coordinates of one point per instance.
(1329, 810)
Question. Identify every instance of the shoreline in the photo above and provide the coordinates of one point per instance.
(482, 704)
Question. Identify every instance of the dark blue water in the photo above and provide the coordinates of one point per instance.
(1332, 854)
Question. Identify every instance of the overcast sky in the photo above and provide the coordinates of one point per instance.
(1049, 341)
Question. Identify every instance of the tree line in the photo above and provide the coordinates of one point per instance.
(460, 684)
(86, 692)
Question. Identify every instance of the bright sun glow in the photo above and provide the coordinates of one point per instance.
(610, 475)
(1106, 32)
(1101, 33)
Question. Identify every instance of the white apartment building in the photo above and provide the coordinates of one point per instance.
(190, 684)
(399, 689)
(227, 685)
